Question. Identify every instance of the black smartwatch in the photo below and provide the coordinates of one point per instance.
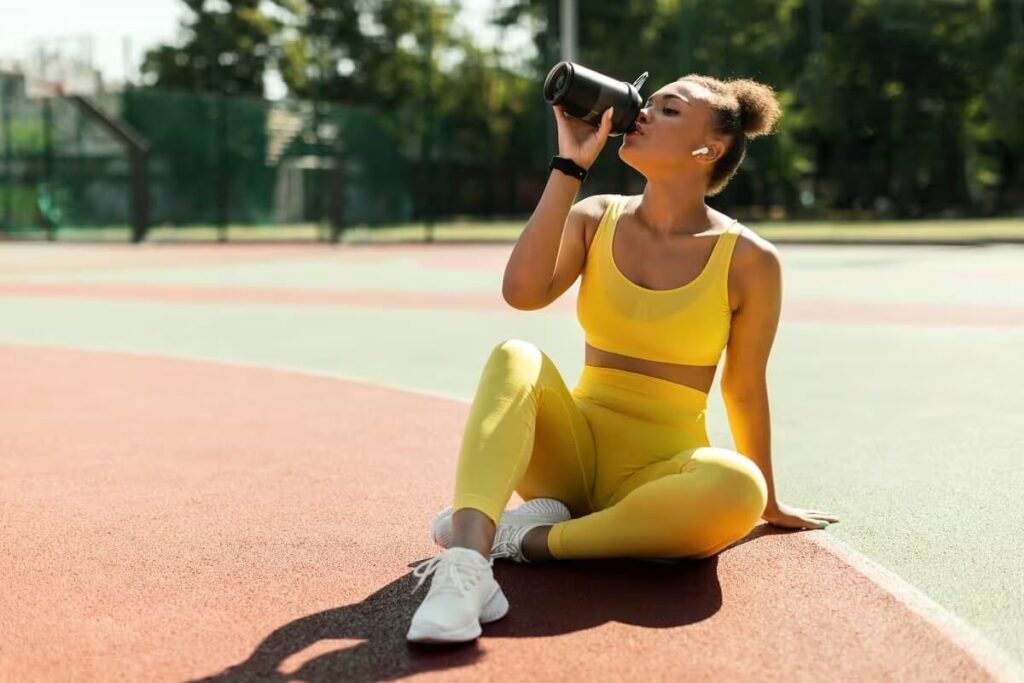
(568, 167)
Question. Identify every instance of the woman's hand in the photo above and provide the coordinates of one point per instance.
(580, 141)
(790, 517)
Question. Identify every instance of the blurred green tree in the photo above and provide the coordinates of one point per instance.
(226, 47)
(1002, 113)
(901, 107)
(451, 104)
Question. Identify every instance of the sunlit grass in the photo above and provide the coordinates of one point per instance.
(983, 230)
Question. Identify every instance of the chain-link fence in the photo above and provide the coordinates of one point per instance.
(219, 163)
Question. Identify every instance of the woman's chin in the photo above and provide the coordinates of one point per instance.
(630, 156)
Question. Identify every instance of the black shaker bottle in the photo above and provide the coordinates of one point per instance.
(585, 94)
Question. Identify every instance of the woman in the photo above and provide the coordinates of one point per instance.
(621, 465)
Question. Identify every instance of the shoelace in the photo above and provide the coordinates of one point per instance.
(509, 541)
(504, 550)
(428, 567)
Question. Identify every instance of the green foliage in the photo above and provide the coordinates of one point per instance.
(226, 47)
(901, 106)
(27, 135)
(908, 107)
(1005, 99)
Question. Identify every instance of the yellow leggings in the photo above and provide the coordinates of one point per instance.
(627, 453)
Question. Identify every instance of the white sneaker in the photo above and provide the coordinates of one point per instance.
(463, 594)
(512, 526)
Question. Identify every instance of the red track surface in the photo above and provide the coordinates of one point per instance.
(168, 520)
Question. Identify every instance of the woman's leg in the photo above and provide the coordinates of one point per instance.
(694, 504)
(525, 433)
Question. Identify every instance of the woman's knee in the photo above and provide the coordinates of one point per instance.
(516, 351)
(733, 495)
(515, 357)
(741, 484)
(513, 366)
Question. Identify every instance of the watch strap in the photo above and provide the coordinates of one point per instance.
(568, 167)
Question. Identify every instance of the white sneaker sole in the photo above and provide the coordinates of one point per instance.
(495, 608)
(537, 510)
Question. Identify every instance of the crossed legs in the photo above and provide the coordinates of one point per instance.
(528, 433)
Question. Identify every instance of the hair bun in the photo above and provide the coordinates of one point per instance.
(759, 107)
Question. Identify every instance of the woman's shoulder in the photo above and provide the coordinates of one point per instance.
(593, 209)
(750, 246)
(754, 264)
(748, 242)
(754, 261)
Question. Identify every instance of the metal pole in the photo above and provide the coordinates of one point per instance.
(549, 40)
(814, 17)
(685, 38)
(48, 168)
(428, 135)
(224, 174)
(336, 193)
(315, 33)
(140, 196)
(126, 58)
(221, 127)
(1017, 20)
(137, 148)
(567, 21)
(5, 113)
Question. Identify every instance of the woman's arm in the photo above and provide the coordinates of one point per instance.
(744, 380)
(752, 333)
(551, 244)
(550, 252)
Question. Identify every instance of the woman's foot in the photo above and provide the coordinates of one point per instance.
(512, 526)
(463, 594)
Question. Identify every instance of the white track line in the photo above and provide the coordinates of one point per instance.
(995, 662)
(959, 632)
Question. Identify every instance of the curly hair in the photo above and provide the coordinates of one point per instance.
(743, 110)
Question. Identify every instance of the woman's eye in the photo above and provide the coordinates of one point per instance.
(669, 111)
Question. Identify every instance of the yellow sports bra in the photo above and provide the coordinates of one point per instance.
(687, 325)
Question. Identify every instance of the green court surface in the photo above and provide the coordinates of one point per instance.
(895, 380)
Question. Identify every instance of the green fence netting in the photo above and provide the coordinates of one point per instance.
(216, 161)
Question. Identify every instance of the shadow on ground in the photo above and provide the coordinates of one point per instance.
(549, 599)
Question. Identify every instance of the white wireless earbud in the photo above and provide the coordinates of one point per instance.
(702, 150)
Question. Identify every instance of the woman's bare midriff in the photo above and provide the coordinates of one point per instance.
(699, 377)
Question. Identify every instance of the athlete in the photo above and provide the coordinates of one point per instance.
(621, 464)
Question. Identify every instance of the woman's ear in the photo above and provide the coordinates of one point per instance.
(715, 150)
